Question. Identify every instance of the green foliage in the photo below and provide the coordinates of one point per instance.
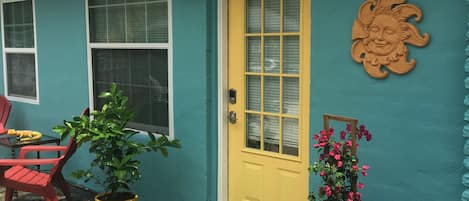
(111, 142)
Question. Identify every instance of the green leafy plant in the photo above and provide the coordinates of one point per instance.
(111, 143)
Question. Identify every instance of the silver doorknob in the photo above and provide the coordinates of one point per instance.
(232, 117)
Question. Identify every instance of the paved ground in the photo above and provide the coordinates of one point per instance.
(78, 194)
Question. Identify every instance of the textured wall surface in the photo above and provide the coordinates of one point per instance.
(189, 173)
(416, 119)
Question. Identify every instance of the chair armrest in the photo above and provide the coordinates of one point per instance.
(24, 150)
(23, 162)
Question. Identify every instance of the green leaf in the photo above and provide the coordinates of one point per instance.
(104, 95)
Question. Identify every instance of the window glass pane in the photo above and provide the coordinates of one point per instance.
(272, 94)
(291, 15)
(98, 25)
(8, 14)
(272, 55)
(18, 24)
(132, 21)
(158, 81)
(271, 133)
(21, 75)
(110, 2)
(134, 1)
(96, 2)
(157, 21)
(116, 24)
(253, 17)
(136, 30)
(143, 76)
(272, 16)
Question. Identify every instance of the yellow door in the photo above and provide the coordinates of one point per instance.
(269, 100)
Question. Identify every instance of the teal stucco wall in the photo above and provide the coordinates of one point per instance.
(189, 173)
(416, 119)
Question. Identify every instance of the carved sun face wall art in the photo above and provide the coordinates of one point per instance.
(380, 34)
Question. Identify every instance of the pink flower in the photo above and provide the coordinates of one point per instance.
(358, 196)
(368, 137)
(327, 190)
(364, 173)
(362, 127)
(354, 168)
(316, 145)
(350, 195)
(323, 132)
(332, 154)
(337, 157)
(337, 146)
(316, 137)
(322, 173)
(322, 144)
(348, 143)
(349, 128)
(361, 185)
(342, 135)
(365, 167)
(339, 164)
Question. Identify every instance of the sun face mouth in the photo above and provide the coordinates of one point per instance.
(380, 43)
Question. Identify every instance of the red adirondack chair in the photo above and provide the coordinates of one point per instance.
(5, 107)
(19, 177)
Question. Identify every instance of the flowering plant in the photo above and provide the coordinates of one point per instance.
(337, 166)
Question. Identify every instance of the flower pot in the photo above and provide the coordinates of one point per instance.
(117, 196)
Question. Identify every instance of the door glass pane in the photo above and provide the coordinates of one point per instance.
(253, 54)
(271, 133)
(291, 96)
(272, 94)
(290, 136)
(272, 55)
(291, 15)
(253, 131)
(291, 54)
(272, 16)
(253, 93)
(253, 18)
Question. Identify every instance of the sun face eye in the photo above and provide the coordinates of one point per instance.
(389, 31)
(374, 29)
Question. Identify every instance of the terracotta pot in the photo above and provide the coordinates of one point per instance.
(121, 196)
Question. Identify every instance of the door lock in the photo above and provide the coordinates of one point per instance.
(232, 117)
(232, 96)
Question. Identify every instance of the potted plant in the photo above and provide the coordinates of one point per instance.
(337, 166)
(112, 145)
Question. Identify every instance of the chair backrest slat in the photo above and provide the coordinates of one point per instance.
(5, 107)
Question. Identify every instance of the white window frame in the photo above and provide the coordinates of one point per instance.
(167, 46)
(33, 50)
